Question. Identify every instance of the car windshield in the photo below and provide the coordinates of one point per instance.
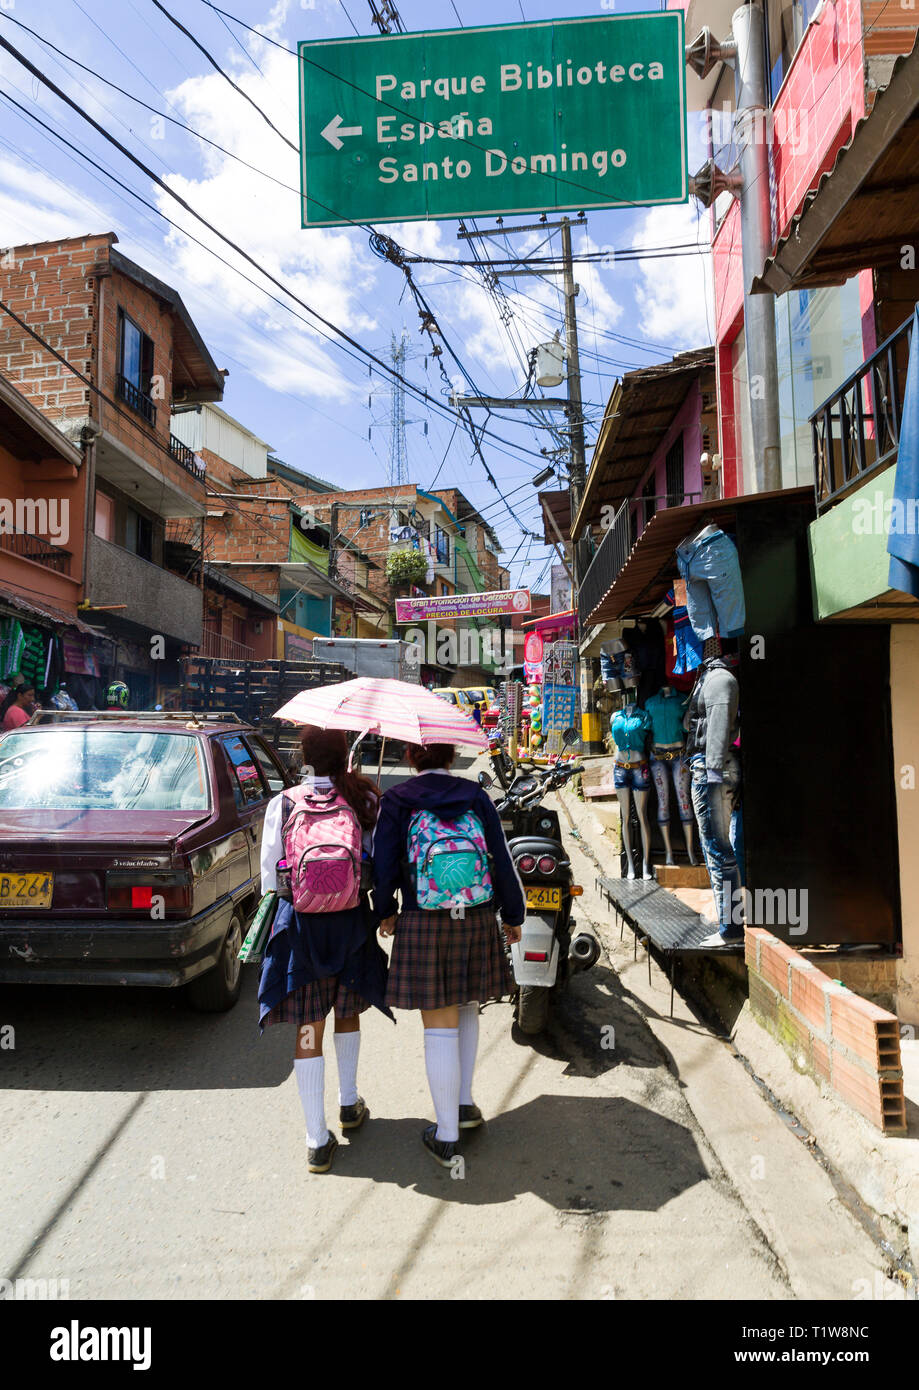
(448, 695)
(476, 695)
(102, 770)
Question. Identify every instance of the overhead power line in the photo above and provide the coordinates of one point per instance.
(217, 68)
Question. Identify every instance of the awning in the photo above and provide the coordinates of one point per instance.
(557, 506)
(650, 570)
(865, 209)
(11, 605)
(640, 411)
(548, 621)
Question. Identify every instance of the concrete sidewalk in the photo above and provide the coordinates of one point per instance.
(881, 1172)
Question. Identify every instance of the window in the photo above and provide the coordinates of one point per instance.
(442, 546)
(246, 779)
(139, 535)
(104, 526)
(649, 498)
(135, 367)
(273, 774)
(786, 25)
(673, 464)
(102, 769)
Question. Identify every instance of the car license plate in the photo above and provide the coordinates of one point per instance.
(544, 897)
(26, 890)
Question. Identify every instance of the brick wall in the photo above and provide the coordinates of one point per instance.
(837, 1036)
(50, 287)
(67, 292)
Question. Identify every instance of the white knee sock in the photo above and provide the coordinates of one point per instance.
(442, 1060)
(468, 1045)
(347, 1048)
(310, 1073)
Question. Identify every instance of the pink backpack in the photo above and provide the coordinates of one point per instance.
(322, 845)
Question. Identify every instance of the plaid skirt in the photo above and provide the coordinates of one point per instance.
(311, 1003)
(439, 960)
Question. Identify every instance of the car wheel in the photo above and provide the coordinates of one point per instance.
(219, 989)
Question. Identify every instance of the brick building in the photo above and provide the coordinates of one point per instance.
(264, 552)
(132, 353)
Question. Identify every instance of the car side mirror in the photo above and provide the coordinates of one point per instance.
(485, 780)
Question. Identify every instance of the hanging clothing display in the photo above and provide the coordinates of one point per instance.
(12, 646)
(709, 563)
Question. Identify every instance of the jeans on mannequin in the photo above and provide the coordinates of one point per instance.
(718, 830)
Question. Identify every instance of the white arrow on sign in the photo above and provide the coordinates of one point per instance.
(336, 129)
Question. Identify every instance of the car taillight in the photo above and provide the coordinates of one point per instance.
(547, 865)
(526, 863)
(536, 955)
(150, 893)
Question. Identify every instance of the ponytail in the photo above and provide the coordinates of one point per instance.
(326, 752)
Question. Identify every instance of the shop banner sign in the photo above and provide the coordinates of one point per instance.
(561, 706)
(491, 605)
(512, 118)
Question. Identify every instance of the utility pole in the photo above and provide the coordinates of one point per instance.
(577, 470)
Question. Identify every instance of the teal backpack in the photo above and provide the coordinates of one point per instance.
(450, 862)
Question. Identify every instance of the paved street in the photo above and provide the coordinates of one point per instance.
(154, 1152)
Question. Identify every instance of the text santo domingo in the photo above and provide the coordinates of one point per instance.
(513, 77)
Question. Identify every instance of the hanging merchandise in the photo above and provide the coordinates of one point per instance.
(709, 563)
(32, 664)
(688, 653)
(561, 702)
(12, 646)
(533, 657)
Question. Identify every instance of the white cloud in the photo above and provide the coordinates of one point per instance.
(674, 293)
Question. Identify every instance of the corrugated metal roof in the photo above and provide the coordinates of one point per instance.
(651, 567)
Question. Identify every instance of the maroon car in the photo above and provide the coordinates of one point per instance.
(129, 849)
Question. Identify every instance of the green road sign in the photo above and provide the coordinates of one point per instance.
(578, 113)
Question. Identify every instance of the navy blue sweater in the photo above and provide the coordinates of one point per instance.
(449, 798)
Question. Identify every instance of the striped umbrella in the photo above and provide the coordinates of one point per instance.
(391, 709)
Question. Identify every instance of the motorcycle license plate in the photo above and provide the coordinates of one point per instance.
(26, 890)
(544, 897)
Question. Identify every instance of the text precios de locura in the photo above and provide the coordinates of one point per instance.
(514, 77)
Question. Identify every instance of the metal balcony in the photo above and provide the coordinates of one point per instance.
(616, 547)
(36, 549)
(856, 431)
(184, 456)
(136, 399)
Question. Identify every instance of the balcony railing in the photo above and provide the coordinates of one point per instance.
(212, 644)
(185, 457)
(856, 431)
(616, 547)
(136, 399)
(35, 548)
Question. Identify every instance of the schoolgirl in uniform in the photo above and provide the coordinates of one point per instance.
(444, 963)
(317, 963)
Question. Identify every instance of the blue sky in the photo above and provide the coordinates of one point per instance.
(299, 392)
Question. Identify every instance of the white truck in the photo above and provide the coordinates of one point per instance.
(370, 656)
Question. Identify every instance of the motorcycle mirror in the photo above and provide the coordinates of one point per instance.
(569, 737)
(485, 780)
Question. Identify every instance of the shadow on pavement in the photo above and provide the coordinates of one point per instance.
(580, 1154)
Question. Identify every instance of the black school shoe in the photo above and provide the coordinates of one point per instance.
(442, 1151)
(353, 1116)
(320, 1160)
(470, 1117)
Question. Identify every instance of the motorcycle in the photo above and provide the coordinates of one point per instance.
(501, 760)
(550, 950)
